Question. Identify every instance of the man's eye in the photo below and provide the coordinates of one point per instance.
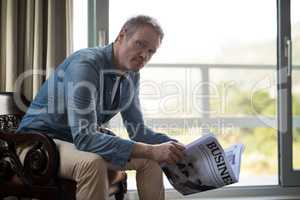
(139, 44)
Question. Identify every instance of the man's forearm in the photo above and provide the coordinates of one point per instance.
(142, 150)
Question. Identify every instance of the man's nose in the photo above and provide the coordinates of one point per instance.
(144, 55)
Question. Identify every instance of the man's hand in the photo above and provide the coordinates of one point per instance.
(168, 152)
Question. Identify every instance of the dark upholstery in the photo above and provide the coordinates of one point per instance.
(37, 176)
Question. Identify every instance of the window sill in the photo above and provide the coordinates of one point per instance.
(236, 193)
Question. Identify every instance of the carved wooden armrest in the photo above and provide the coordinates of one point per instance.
(41, 162)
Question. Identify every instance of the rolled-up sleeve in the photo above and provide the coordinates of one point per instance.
(133, 120)
(81, 85)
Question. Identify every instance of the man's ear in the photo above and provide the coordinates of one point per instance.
(121, 35)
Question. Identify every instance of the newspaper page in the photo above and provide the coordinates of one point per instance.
(206, 166)
(234, 156)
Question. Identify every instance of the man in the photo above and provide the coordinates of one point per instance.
(87, 90)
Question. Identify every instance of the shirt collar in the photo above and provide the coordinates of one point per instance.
(109, 65)
(109, 54)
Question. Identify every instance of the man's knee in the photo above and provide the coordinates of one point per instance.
(147, 164)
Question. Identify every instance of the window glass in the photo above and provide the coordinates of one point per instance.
(217, 64)
(80, 25)
(295, 33)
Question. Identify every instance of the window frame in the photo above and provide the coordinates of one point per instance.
(287, 175)
(98, 22)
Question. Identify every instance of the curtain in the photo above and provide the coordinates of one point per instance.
(35, 37)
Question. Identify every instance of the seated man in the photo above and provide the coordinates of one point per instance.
(86, 91)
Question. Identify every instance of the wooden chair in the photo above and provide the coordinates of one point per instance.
(37, 177)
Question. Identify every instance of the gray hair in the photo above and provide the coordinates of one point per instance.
(133, 23)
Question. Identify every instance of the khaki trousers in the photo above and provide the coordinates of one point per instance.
(89, 170)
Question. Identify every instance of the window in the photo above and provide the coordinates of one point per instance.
(228, 60)
(80, 24)
(222, 59)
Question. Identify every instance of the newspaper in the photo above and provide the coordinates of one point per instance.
(206, 166)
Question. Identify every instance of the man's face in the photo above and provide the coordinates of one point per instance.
(136, 50)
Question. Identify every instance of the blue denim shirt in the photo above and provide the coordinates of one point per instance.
(76, 99)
